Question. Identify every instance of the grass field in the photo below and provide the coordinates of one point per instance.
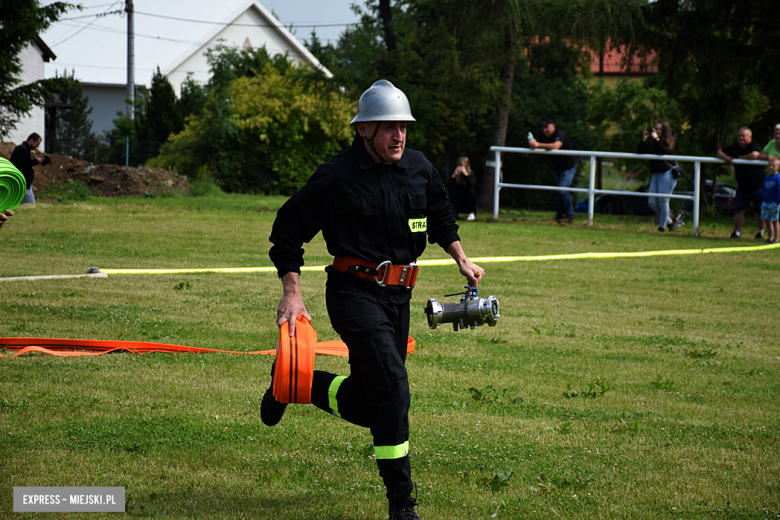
(611, 388)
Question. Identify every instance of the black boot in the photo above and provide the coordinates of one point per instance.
(406, 512)
(271, 410)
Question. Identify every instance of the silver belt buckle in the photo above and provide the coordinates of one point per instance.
(384, 276)
(403, 275)
(406, 270)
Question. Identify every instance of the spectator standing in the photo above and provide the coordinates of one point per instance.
(660, 141)
(750, 179)
(21, 158)
(564, 166)
(773, 146)
(770, 207)
(460, 189)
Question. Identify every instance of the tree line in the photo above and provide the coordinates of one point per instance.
(477, 74)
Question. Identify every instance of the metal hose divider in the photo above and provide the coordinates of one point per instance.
(471, 312)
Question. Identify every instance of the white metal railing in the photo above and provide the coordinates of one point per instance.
(592, 191)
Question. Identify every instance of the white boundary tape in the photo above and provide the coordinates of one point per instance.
(55, 277)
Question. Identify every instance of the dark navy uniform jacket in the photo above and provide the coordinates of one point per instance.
(366, 210)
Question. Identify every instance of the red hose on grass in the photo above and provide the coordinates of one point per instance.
(87, 347)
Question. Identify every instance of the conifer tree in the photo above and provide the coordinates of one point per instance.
(73, 127)
(162, 116)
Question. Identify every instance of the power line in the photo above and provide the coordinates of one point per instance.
(106, 29)
(216, 23)
(244, 24)
(97, 16)
(161, 38)
(106, 67)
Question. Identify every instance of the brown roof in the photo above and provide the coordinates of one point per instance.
(47, 52)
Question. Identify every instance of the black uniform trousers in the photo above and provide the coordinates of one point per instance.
(374, 323)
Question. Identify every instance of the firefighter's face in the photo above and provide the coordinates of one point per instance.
(390, 140)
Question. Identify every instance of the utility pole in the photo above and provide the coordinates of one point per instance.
(130, 60)
(130, 74)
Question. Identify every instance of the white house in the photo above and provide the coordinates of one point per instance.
(33, 58)
(172, 35)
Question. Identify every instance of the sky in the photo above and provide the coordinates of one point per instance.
(92, 41)
(308, 12)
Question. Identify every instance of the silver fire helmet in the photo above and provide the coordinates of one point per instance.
(383, 102)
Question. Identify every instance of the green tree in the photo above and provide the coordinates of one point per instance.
(74, 126)
(360, 58)
(325, 54)
(292, 127)
(20, 20)
(160, 118)
(619, 115)
(123, 137)
(544, 88)
(265, 127)
(193, 97)
(471, 48)
(717, 58)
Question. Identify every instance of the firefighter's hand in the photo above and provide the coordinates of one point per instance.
(3, 218)
(472, 272)
(467, 268)
(289, 309)
(291, 306)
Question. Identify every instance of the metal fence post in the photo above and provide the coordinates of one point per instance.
(496, 181)
(591, 192)
(696, 196)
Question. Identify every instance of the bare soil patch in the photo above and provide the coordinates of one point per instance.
(105, 180)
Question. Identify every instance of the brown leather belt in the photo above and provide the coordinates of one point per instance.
(383, 273)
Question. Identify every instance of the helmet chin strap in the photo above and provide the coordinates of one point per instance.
(370, 141)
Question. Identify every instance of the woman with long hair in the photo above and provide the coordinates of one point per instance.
(660, 141)
(460, 189)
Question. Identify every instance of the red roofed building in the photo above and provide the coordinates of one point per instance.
(613, 62)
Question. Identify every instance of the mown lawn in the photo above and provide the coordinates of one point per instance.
(611, 388)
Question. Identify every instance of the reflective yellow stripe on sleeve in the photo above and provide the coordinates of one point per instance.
(332, 391)
(392, 452)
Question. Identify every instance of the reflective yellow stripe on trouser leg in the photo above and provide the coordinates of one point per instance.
(332, 391)
(392, 452)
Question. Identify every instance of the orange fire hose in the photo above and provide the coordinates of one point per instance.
(294, 371)
(86, 347)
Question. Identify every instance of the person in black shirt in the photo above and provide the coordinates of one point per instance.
(660, 141)
(460, 189)
(21, 158)
(376, 203)
(750, 179)
(564, 166)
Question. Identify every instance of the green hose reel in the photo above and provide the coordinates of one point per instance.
(12, 186)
